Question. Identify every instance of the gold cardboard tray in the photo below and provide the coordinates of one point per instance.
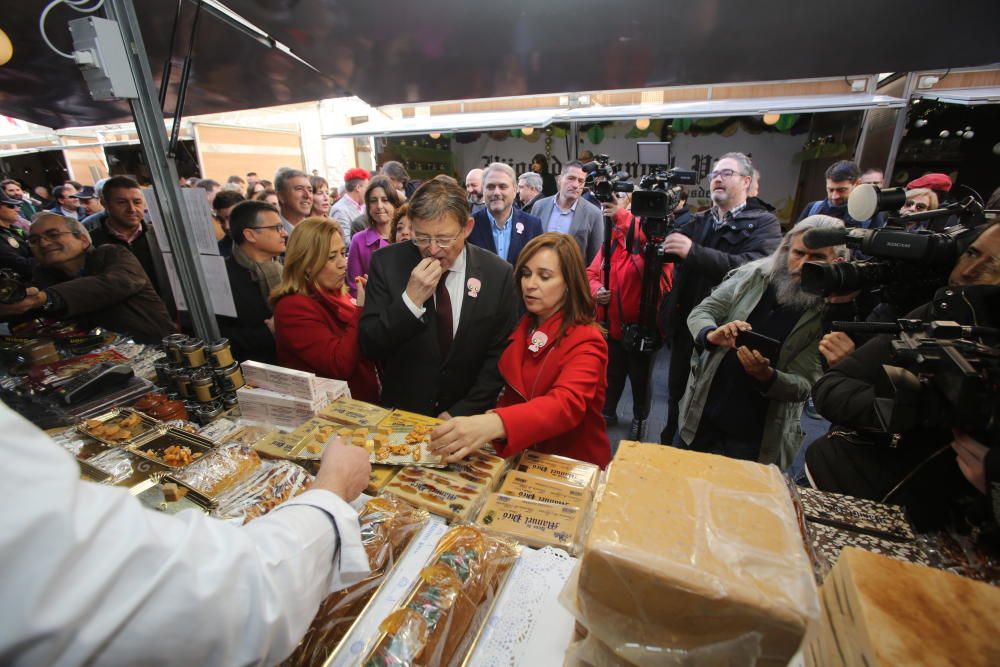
(144, 426)
(92, 473)
(161, 438)
(151, 495)
(479, 618)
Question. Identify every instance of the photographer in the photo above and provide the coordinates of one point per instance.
(714, 243)
(756, 337)
(621, 303)
(916, 468)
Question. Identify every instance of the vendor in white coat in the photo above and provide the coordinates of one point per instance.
(90, 576)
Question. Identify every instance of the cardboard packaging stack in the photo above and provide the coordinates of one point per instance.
(285, 397)
(879, 611)
(695, 556)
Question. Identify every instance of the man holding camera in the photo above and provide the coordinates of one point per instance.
(714, 243)
(916, 468)
(756, 338)
(105, 286)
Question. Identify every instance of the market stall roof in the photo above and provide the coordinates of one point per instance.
(964, 96)
(502, 120)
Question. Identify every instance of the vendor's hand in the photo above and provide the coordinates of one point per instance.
(445, 415)
(843, 298)
(344, 469)
(835, 347)
(457, 438)
(359, 284)
(423, 280)
(677, 244)
(725, 336)
(971, 459)
(602, 296)
(33, 300)
(269, 323)
(755, 364)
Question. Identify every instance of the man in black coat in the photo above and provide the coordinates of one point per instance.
(715, 242)
(258, 240)
(14, 252)
(500, 227)
(438, 311)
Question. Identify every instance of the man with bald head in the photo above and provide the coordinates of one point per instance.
(474, 187)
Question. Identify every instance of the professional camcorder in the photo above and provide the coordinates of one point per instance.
(12, 287)
(604, 179)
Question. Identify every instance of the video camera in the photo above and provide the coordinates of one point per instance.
(905, 266)
(12, 287)
(944, 376)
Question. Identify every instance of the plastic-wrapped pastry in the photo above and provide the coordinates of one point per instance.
(222, 469)
(272, 484)
(116, 462)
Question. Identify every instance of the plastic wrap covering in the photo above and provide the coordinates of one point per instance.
(532, 522)
(81, 446)
(116, 462)
(387, 526)
(441, 492)
(431, 627)
(222, 469)
(694, 559)
(272, 484)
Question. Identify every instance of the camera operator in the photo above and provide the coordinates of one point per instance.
(745, 393)
(715, 242)
(916, 468)
(621, 303)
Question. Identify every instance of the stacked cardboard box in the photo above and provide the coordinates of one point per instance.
(879, 611)
(285, 397)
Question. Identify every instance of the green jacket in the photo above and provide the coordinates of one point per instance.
(798, 366)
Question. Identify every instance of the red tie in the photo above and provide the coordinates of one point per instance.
(442, 306)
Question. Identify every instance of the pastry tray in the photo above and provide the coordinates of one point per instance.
(427, 460)
(146, 423)
(162, 437)
(151, 495)
(92, 473)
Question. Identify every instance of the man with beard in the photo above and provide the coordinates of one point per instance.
(474, 188)
(501, 228)
(715, 242)
(739, 402)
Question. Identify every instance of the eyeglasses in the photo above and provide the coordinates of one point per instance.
(723, 173)
(51, 235)
(422, 241)
(915, 205)
(276, 228)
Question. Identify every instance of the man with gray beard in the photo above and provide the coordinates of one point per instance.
(739, 402)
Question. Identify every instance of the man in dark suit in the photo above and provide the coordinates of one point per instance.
(501, 228)
(258, 240)
(438, 311)
(569, 213)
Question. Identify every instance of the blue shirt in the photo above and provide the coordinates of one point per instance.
(501, 236)
(560, 220)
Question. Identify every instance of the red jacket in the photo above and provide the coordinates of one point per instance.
(319, 333)
(554, 394)
(626, 275)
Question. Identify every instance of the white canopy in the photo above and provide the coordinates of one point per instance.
(965, 96)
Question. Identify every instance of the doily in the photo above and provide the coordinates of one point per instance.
(527, 624)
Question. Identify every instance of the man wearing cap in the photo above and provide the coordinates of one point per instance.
(352, 204)
(841, 179)
(14, 251)
(88, 200)
(13, 190)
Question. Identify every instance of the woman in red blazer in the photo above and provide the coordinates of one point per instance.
(315, 319)
(555, 367)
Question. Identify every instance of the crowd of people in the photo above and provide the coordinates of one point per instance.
(497, 306)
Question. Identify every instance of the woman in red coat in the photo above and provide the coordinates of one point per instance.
(555, 367)
(315, 319)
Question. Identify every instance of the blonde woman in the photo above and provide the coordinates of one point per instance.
(315, 319)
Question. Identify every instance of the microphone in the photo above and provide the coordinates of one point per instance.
(825, 237)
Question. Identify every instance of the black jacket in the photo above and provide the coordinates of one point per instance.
(753, 233)
(248, 335)
(140, 247)
(15, 253)
(482, 232)
(113, 293)
(415, 377)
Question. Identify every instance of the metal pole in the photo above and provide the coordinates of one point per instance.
(859, 145)
(897, 135)
(153, 136)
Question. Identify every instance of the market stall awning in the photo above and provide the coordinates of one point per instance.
(459, 122)
(502, 120)
(965, 96)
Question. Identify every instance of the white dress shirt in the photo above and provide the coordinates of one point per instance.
(455, 283)
(90, 576)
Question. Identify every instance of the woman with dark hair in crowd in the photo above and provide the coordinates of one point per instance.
(315, 321)
(400, 230)
(321, 196)
(555, 368)
(381, 202)
(540, 165)
(269, 196)
(255, 189)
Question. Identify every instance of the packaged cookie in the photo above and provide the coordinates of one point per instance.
(558, 468)
(479, 468)
(271, 484)
(532, 522)
(350, 412)
(222, 469)
(440, 493)
(529, 487)
(379, 478)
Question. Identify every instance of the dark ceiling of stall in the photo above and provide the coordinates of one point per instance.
(393, 51)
